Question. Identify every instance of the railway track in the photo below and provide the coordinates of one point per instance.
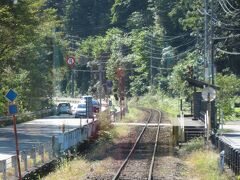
(139, 163)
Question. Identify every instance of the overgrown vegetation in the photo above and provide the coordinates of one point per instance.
(203, 163)
(154, 41)
(158, 101)
(82, 165)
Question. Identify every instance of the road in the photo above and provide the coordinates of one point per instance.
(35, 132)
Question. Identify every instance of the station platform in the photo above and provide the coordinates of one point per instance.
(187, 121)
(232, 133)
(232, 139)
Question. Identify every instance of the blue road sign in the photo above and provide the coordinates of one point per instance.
(11, 95)
(12, 108)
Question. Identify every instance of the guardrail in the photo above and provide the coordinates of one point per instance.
(231, 154)
(66, 99)
(42, 153)
(116, 115)
(6, 120)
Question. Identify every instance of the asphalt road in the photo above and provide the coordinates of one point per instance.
(35, 132)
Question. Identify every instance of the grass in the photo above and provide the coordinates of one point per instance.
(81, 166)
(203, 163)
(157, 101)
(133, 113)
(74, 169)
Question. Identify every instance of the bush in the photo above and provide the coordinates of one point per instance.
(193, 145)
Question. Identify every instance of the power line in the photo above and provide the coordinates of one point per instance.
(170, 38)
(219, 23)
(227, 52)
(177, 55)
(155, 67)
(226, 37)
(225, 8)
(159, 50)
(232, 6)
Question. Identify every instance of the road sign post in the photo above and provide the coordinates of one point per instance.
(17, 148)
(71, 63)
(208, 94)
(11, 96)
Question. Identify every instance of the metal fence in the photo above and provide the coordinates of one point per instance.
(231, 154)
(45, 152)
(6, 120)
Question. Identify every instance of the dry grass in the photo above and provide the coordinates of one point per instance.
(204, 165)
(71, 170)
(133, 115)
(81, 167)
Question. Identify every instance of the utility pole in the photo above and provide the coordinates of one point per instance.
(206, 42)
(100, 68)
(213, 107)
(151, 64)
(212, 45)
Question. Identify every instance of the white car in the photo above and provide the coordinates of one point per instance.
(81, 110)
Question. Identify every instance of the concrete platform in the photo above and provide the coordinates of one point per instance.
(140, 124)
(188, 122)
(233, 139)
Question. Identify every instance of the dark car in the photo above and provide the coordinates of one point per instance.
(96, 106)
(64, 108)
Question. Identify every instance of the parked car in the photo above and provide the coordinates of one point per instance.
(96, 106)
(64, 108)
(81, 110)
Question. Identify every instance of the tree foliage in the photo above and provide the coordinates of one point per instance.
(151, 39)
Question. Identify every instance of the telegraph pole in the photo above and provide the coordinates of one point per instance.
(213, 107)
(206, 42)
(212, 45)
(151, 63)
(100, 68)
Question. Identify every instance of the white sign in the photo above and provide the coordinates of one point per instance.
(70, 61)
(208, 93)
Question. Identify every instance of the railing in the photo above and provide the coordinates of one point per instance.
(66, 99)
(45, 152)
(231, 154)
(6, 120)
(116, 115)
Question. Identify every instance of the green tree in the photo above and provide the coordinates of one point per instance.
(229, 87)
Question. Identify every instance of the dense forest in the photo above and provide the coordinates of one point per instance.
(153, 41)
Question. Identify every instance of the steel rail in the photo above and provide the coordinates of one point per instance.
(155, 148)
(133, 148)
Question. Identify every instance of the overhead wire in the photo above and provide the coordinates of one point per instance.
(155, 67)
(158, 50)
(167, 38)
(232, 6)
(219, 22)
(226, 37)
(177, 55)
(227, 52)
(225, 8)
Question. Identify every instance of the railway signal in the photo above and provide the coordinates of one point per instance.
(121, 87)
